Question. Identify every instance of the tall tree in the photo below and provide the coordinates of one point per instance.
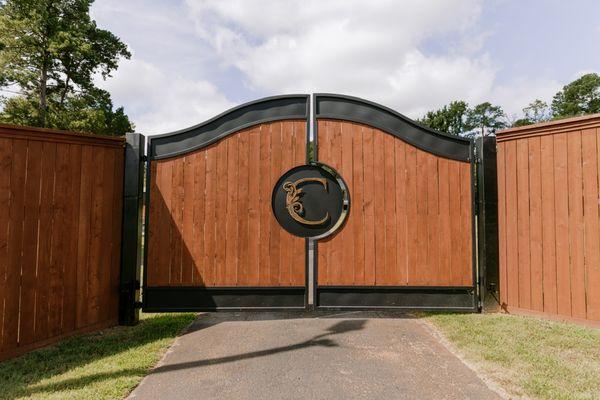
(537, 111)
(582, 96)
(486, 117)
(448, 119)
(51, 52)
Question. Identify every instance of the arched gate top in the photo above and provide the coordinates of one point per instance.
(326, 106)
(335, 106)
(255, 112)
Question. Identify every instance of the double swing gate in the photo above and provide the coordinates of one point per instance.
(323, 201)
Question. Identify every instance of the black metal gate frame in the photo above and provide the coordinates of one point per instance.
(312, 296)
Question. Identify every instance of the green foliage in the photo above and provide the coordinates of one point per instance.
(51, 52)
(486, 116)
(580, 97)
(457, 118)
(448, 119)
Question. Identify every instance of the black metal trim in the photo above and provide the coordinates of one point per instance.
(335, 106)
(397, 297)
(188, 298)
(269, 109)
(129, 276)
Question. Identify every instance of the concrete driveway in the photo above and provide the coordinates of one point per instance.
(350, 355)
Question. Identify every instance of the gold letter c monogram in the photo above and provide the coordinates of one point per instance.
(292, 200)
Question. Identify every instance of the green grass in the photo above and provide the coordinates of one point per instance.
(526, 355)
(102, 365)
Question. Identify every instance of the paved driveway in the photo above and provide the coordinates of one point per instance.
(348, 355)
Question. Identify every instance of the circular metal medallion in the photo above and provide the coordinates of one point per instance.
(310, 201)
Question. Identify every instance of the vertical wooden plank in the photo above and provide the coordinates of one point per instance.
(523, 224)
(153, 228)
(466, 213)
(501, 169)
(163, 197)
(199, 214)
(432, 220)
(254, 207)
(275, 231)
(30, 242)
(324, 246)
(347, 234)
(422, 267)
(243, 210)
(379, 205)
(358, 198)
(176, 211)
(512, 240)
(6, 151)
(401, 271)
(389, 172)
(72, 224)
(576, 242)
(108, 169)
(83, 232)
(221, 213)
(411, 216)
(285, 238)
(187, 229)
(231, 224)
(456, 261)
(535, 221)
(266, 218)
(334, 261)
(46, 234)
(593, 269)
(589, 149)
(299, 258)
(561, 202)
(59, 243)
(444, 235)
(15, 243)
(548, 224)
(210, 198)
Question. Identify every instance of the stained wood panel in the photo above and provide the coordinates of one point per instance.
(410, 214)
(210, 218)
(60, 235)
(548, 199)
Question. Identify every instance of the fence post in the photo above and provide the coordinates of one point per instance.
(133, 179)
(487, 222)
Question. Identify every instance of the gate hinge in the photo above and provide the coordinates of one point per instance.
(137, 304)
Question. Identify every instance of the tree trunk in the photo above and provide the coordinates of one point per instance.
(43, 87)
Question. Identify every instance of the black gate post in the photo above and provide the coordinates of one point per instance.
(131, 241)
(487, 222)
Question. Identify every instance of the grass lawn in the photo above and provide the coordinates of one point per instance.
(528, 356)
(102, 365)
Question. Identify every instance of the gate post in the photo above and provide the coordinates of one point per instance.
(129, 279)
(487, 222)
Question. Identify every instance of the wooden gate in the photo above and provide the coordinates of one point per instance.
(213, 234)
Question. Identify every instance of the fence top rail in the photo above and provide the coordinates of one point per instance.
(59, 136)
(549, 128)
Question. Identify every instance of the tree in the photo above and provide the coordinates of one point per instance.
(582, 96)
(537, 111)
(51, 52)
(486, 116)
(448, 119)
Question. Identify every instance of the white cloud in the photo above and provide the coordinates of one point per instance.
(162, 101)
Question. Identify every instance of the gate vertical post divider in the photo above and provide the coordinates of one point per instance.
(129, 277)
(311, 244)
(487, 222)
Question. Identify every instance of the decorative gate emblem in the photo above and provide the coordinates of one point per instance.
(310, 201)
(292, 200)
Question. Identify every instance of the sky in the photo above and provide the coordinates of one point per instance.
(193, 59)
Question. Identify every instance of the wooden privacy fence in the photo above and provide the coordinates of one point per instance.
(61, 197)
(548, 198)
